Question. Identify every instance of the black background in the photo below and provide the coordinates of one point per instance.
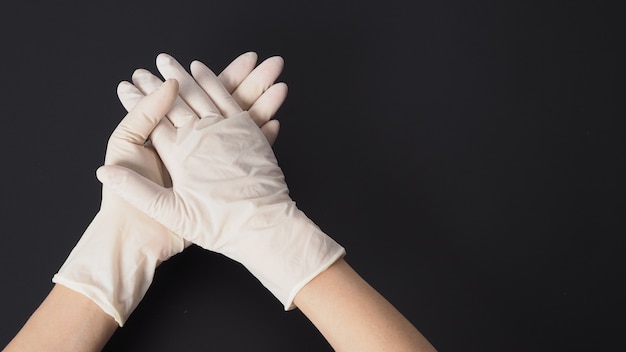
(469, 156)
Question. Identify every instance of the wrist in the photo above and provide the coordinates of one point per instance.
(114, 262)
(286, 254)
(65, 321)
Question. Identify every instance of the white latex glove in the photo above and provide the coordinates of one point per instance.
(114, 262)
(229, 195)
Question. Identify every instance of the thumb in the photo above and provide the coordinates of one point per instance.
(146, 114)
(155, 201)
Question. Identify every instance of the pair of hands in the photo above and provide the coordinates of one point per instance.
(207, 176)
(193, 165)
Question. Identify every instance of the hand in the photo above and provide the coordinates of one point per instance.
(113, 263)
(122, 245)
(229, 195)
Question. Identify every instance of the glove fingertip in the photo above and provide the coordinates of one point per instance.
(164, 59)
(109, 176)
(123, 86)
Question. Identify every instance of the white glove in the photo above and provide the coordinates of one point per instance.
(114, 262)
(229, 195)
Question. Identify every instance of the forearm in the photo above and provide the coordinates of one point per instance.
(352, 316)
(65, 321)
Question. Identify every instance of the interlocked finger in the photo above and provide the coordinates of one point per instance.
(215, 90)
(180, 114)
(258, 81)
(237, 71)
(164, 133)
(193, 95)
(266, 106)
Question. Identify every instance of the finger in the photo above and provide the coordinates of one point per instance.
(164, 134)
(163, 138)
(155, 201)
(214, 89)
(237, 71)
(180, 114)
(195, 97)
(268, 103)
(146, 114)
(270, 130)
(258, 81)
(128, 94)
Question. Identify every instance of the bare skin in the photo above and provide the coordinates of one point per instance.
(65, 321)
(352, 316)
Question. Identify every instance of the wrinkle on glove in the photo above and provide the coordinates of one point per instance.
(229, 195)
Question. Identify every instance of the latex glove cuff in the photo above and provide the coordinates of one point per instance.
(113, 263)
